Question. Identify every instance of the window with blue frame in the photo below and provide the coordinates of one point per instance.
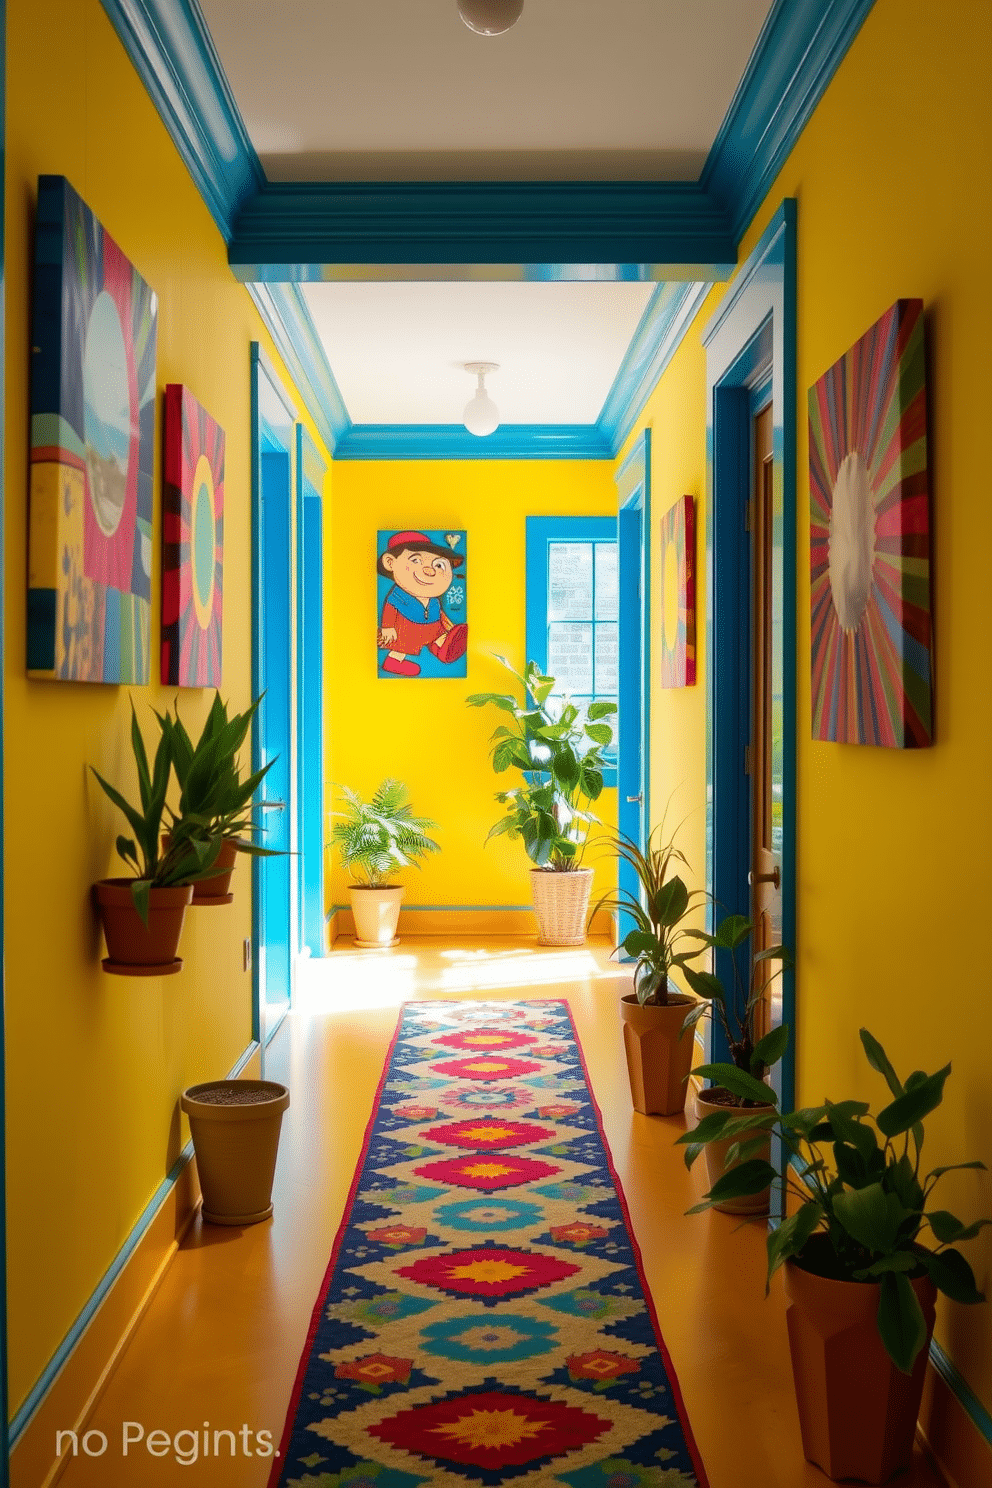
(572, 608)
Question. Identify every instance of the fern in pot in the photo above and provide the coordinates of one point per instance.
(375, 839)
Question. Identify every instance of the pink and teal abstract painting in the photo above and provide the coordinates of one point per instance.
(192, 543)
(870, 540)
(92, 450)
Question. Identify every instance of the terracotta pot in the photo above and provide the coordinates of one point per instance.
(715, 1154)
(658, 1061)
(217, 889)
(133, 948)
(235, 1127)
(376, 913)
(561, 905)
(857, 1411)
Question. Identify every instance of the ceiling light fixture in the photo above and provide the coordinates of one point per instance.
(481, 414)
(490, 17)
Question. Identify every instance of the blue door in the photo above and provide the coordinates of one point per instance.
(633, 527)
(310, 470)
(274, 897)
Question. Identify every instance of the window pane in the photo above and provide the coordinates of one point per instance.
(606, 581)
(569, 582)
(570, 657)
(606, 660)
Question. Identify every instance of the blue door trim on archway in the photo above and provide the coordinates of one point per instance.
(633, 481)
(753, 330)
(273, 892)
(310, 472)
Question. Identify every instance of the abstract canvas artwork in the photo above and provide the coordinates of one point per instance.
(870, 540)
(678, 595)
(92, 450)
(422, 603)
(192, 543)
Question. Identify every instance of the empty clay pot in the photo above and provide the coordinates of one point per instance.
(235, 1127)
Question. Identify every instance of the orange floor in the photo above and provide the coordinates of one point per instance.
(221, 1340)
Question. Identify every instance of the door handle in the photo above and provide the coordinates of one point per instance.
(272, 805)
(635, 800)
(775, 877)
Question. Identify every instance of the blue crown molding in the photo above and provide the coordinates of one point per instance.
(800, 47)
(669, 314)
(287, 319)
(173, 53)
(292, 230)
(454, 442)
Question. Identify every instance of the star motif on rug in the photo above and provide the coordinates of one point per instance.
(487, 1132)
(495, 1430)
(487, 1067)
(486, 1040)
(484, 1097)
(488, 1272)
(487, 1171)
(504, 1340)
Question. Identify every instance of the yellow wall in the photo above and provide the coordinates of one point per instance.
(95, 1063)
(421, 731)
(892, 181)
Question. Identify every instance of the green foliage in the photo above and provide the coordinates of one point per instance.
(660, 940)
(862, 1190)
(213, 794)
(738, 1010)
(559, 753)
(193, 849)
(377, 837)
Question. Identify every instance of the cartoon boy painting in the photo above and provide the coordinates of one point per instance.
(413, 617)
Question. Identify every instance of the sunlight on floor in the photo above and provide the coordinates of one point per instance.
(349, 979)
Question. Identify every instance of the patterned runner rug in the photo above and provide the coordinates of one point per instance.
(484, 1317)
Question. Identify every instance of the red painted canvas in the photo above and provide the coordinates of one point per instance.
(678, 595)
(871, 645)
(192, 543)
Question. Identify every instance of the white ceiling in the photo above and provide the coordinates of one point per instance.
(402, 347)
(401, 89)
(379, 89)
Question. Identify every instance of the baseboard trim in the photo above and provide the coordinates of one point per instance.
(954, 1427)
(73, 1381)
(515, 920)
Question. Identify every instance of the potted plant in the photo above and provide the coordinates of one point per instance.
(235, 1126)
(656, 1015)
(212, 791)
(860, 1281)
(375, 838)
(558, 749)
(753, 1053)
(143, 916)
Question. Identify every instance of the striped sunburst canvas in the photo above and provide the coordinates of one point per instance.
(870, 540)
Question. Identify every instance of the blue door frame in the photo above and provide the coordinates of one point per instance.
(274, 897)
(310, 472)
(752, 334)
(633, 481)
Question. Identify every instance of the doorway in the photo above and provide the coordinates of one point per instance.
(274, 898)
(751, 619)
(633, 481)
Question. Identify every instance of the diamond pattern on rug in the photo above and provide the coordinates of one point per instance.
(499, 1336)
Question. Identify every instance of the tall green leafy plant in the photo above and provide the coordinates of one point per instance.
(864, 1202)
(376, 838)
(192, 851)
(737, 1010)
(558, 749)
(661, 940)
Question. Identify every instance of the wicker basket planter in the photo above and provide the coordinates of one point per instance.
(561, 905)
(235, 1127)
